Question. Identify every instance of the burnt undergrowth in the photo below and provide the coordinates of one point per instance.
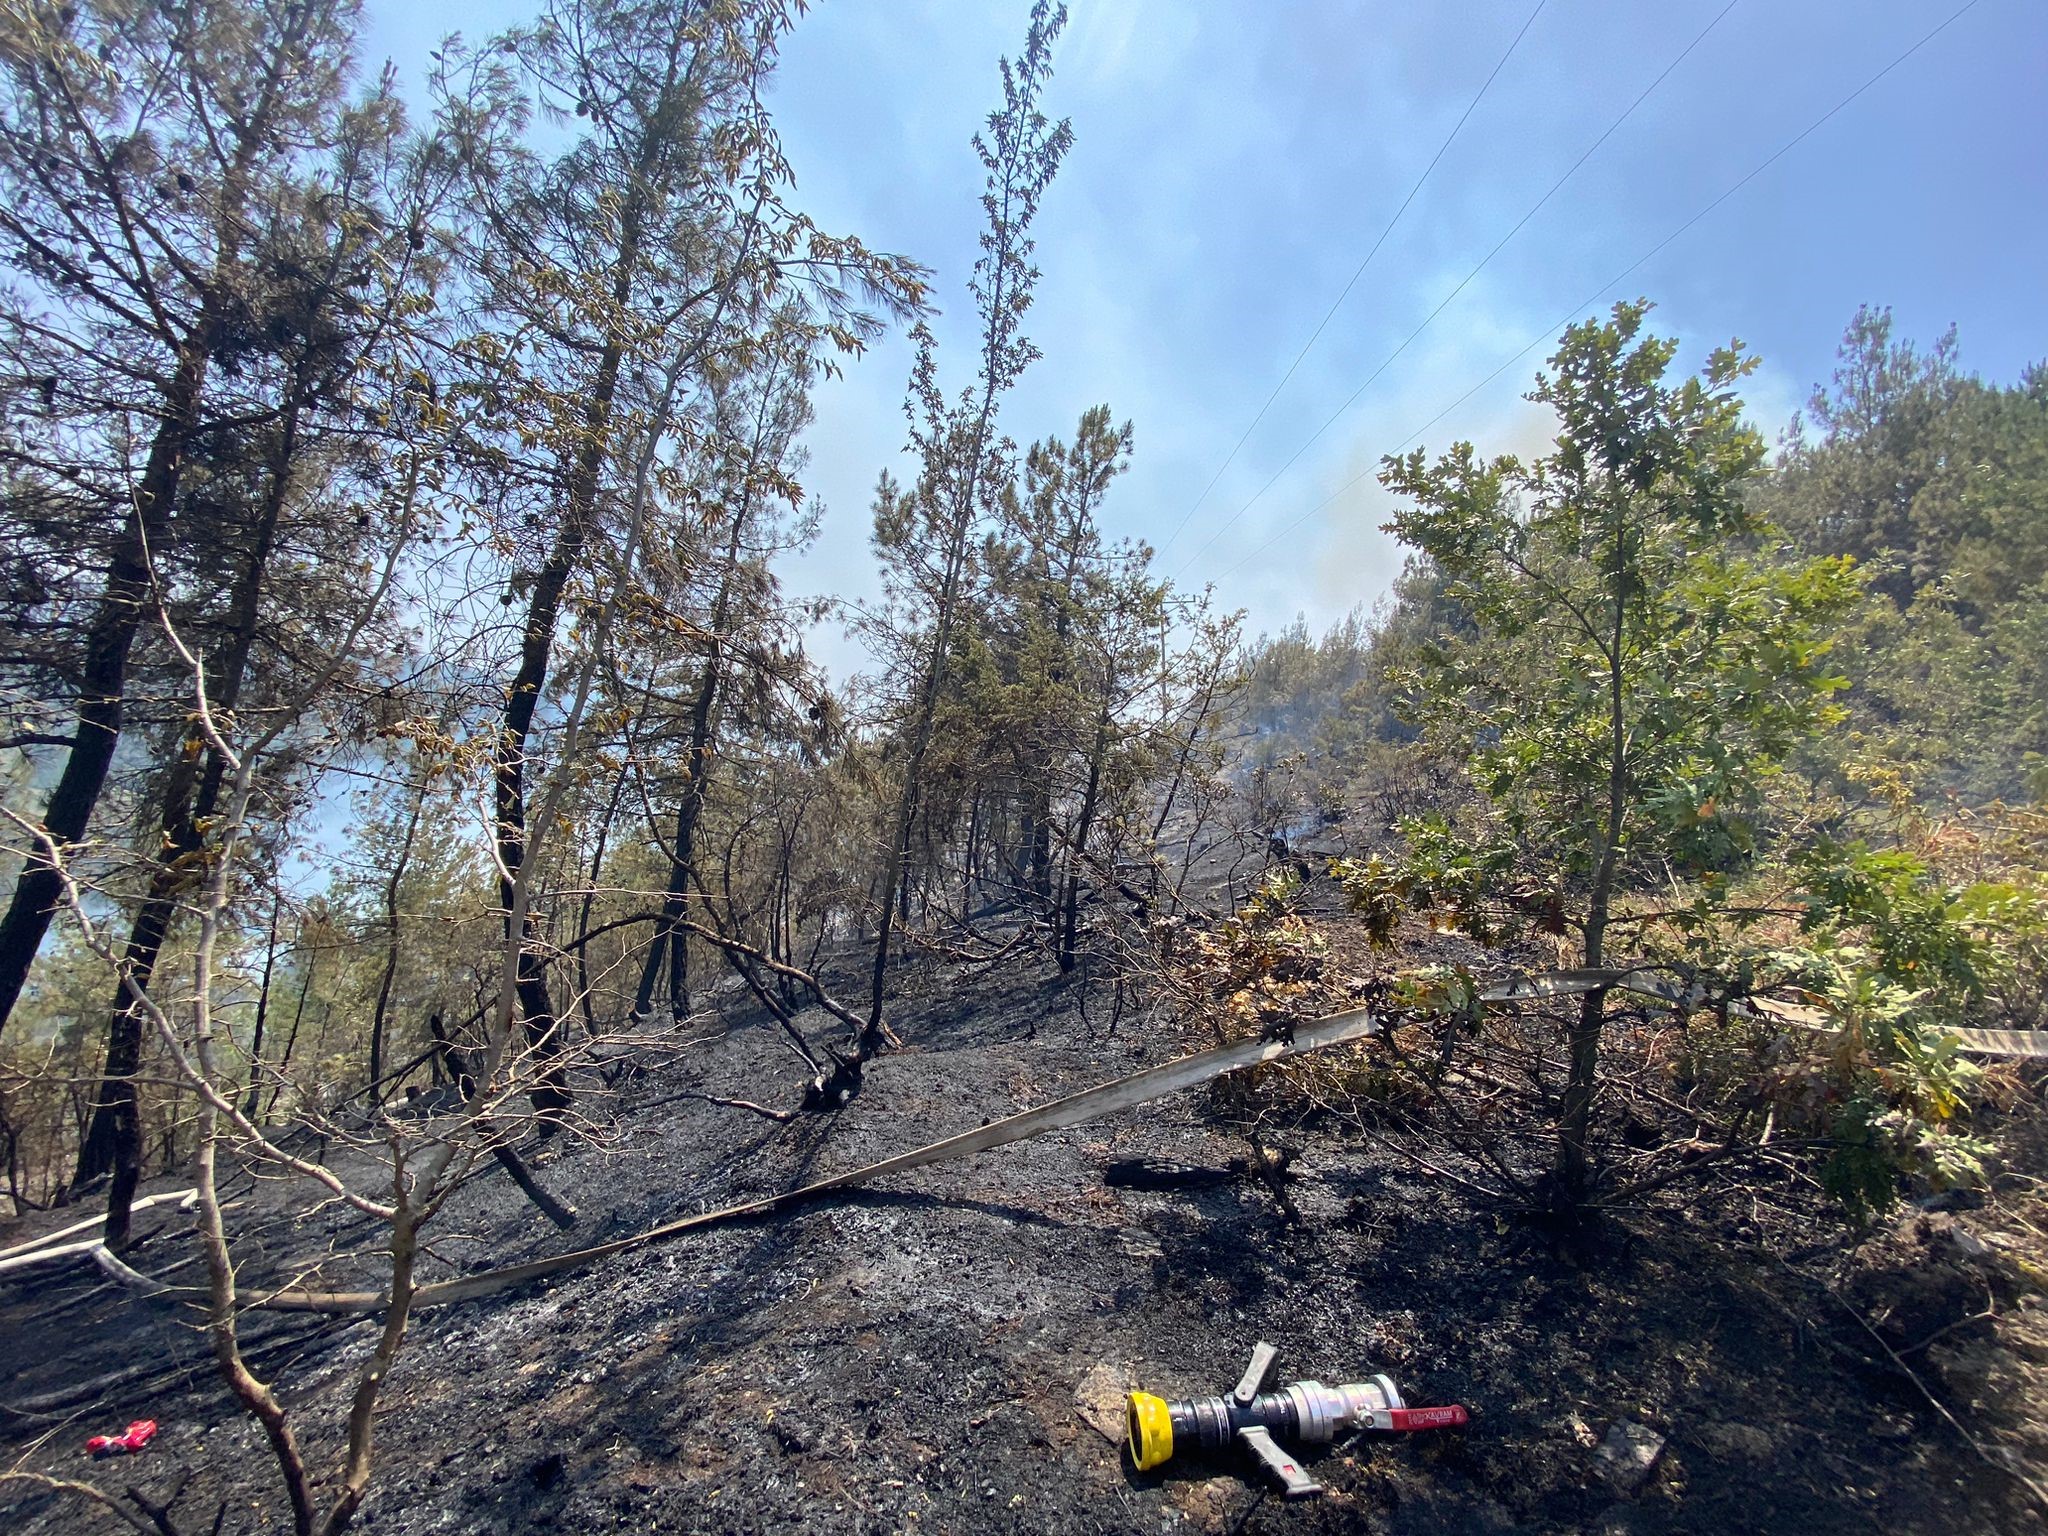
(938, 1354)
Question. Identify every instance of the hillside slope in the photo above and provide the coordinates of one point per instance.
(935, 1356)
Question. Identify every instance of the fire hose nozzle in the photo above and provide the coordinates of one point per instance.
(1250, 1416)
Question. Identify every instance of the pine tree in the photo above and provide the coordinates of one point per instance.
(926, 534)
(143, 152)
(619, 277)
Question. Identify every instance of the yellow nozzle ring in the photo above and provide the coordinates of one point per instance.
(1151, 1430)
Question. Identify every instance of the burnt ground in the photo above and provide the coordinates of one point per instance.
(928, 1357)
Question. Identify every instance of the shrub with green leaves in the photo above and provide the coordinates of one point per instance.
(1898, 958)
(1639, 662)
(1454, 881)
(1891, 1086)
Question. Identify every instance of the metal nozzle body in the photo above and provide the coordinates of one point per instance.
(1305, 1411)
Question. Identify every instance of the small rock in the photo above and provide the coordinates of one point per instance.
(1629, 1454)
(1099, 1399)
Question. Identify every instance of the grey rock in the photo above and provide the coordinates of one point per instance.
(1628, 1454)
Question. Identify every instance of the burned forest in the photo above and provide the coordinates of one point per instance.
(557, 975)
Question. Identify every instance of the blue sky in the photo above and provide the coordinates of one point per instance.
(1235, 161)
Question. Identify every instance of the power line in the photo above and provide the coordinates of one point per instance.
(1570, 315)
(1337, 302)
(1499, 245)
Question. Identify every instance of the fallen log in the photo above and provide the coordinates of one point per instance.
(45, 1255)
(1075, 1109)
(1159, 1174)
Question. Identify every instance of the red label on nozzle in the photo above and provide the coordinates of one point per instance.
(1449, 1417)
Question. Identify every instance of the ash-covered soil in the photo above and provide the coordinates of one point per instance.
(944, 1354)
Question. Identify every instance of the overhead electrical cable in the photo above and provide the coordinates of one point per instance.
(1345, 293)
(1551, 331)
(1499, 245)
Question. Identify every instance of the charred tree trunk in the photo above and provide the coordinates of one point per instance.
(895, 903)
(250, 1098)
(1039, 823)
(671, 940)
(382, 1010)
(551, 1097)
(191, 793)
(1070, 915)
(1572, 1177)
(103, 679)
(291, 1040)
(1574, 1172)
(450, 1058)
(110, 634)
(604, 833)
